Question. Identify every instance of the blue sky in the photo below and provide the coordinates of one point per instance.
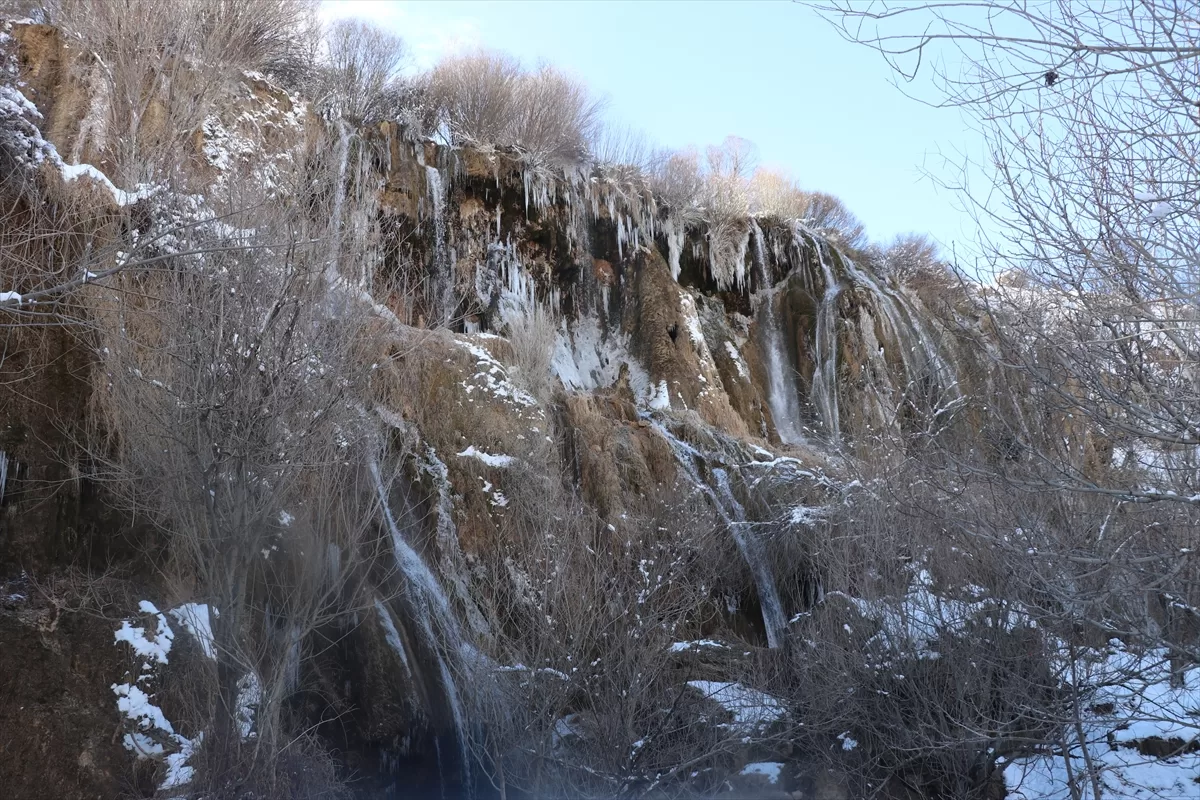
(690, 73)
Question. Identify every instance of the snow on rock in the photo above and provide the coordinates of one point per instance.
(153, 734)
(195, 617)
(73, 172)
(135, 704)
(248, 699)
(751, 709)
(768, 769)
(154, 648)
(661, 399)
(179, 772)
(679, 647)
(499, 462)
(10, 297)
(738, 362)
(492, 376)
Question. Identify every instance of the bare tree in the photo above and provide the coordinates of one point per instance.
(1087, 114)
(1089, 231)
(360, 73)
(487, 99)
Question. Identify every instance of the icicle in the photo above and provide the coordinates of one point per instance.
(3, 473)
(675, 239)
(339, 198)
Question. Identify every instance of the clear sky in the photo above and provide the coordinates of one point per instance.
(690, 73)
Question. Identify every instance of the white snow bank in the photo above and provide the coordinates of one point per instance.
(500, 461)
(768, 769)
(751, 709)
(1144, 705)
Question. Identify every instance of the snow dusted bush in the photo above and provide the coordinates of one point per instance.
(159, 66)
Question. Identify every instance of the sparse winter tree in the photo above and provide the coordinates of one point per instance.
(1089, 121)
(359, 79)
(1087, 116)
(487, 99)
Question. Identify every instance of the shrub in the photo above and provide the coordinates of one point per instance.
(160, 65)
(828, 215)
(486, 99)
(531, 336)
(358, 77)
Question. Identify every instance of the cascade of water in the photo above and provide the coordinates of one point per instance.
(431, 609)
(734, 516)
(910, 330)
(824, 381)
(781, 388)
(339, 198)
(443, 284)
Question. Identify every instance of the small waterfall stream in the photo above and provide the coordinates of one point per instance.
(431, 609)
(734, 516)
(440, 269)
(909, 328)
(339, 199)
(824, 381)
(781, 386)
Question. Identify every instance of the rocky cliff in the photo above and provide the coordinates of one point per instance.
(606, 447)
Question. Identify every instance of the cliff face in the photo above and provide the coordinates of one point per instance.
(571, 381)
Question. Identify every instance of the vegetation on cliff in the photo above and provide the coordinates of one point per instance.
(426, 433)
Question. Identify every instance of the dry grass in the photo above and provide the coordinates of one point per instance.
(531, 339)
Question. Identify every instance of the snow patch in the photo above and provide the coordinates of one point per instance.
(153, 648)
(195, 617)
(751, 709)
(499, 462)
(661, 399)
(768, 769)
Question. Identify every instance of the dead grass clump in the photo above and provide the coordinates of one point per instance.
(531, 338)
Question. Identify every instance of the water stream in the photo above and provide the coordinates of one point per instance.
(430, 607)
(440, 271)
(781, 385)
(824, 381)
(734, 516)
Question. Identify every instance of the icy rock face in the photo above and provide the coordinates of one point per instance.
(812, 346)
